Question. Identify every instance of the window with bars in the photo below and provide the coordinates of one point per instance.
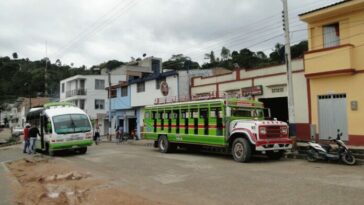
(124, 91)
(99, 104)
(141, 87)
(99, 84)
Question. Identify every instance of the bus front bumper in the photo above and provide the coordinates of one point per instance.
(70, 145)
(271, 145)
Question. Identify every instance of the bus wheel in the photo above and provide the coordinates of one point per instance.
(241, 150)
(82, 150)
(164, 145)
(48, 151)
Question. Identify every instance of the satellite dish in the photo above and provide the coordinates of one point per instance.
(144, 54)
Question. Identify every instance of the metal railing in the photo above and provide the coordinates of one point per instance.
(75, 92)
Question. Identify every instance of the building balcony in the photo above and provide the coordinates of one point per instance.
(329, 61)
(75, 92)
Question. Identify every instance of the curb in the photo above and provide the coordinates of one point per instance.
(12, 178)
(297, 155)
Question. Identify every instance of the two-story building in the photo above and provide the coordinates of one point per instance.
(88, 93)
(334, 68)
(267, 84)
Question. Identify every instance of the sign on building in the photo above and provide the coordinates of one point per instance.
(252, 91)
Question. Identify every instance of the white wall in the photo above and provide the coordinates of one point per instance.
(151, 93)
(92, 94)
(183, 88)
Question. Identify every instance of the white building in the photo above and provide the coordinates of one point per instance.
(88, 92)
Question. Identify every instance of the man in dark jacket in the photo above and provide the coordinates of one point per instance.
(33, 133)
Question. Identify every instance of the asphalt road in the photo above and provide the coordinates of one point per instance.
(200, 178)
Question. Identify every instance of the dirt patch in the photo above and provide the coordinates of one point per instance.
(50, 181)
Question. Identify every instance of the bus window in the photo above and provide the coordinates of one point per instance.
(176, 118)
(184, 113)
(47, 125)
(169, 116)
(194, 114)
(154, 117)
(219, 125)
(161, 114)
(205, 117)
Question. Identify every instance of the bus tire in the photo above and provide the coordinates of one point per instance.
(82, 150)
(164, 145)
(241, 150)
(48, 151)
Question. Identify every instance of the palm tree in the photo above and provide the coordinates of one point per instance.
(210, 56)
(225, 53)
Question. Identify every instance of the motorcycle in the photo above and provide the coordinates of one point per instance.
(326, 152)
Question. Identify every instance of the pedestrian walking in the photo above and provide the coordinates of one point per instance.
(120, 133)
(97, 136)
(26, 138)
(33, 133)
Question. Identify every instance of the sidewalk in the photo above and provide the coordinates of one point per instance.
(5, 135)
(141, 142)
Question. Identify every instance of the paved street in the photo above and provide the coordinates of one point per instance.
(198, 178)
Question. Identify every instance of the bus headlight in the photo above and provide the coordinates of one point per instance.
(262, 130)
(88, 135)
(284, 130)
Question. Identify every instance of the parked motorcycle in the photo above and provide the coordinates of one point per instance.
(326, 152)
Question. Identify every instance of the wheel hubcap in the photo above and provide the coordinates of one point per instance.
(238, 150)
(162, 144)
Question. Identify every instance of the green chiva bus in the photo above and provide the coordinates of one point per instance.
(236, 125)
(62, 126)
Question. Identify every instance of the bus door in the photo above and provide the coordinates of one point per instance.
(42, 125)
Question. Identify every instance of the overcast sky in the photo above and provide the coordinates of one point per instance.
(88, 32)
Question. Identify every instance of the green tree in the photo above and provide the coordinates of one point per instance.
(225, 53)
(180, 62)
(210, 56)
(15, 55)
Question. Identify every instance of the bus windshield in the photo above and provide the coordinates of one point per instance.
(245, 112)
(71, 123)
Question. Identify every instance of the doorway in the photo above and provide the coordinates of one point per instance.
(278, 107)
(332, 116)
(131, 125)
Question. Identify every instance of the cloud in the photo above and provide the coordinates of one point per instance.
(88, 32)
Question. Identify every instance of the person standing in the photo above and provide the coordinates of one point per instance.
(33, 133)
(26, 138)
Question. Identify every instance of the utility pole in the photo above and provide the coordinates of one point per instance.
(45, 73)
(291, 114)
(109, 90)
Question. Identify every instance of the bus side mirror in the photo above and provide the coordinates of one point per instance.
(228, 111)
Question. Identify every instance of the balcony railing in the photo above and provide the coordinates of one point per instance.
(75, 92)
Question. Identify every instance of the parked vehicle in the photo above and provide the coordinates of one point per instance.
(17, 131)
(326, 152)
(62, 126)
(237, 126)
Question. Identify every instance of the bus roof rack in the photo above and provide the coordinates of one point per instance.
(58, 104)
